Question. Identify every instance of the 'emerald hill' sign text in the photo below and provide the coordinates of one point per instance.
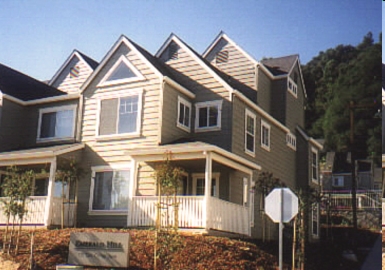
(99, 249)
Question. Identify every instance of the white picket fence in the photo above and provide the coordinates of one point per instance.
(222, 215)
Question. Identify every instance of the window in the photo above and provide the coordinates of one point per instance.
(109, 190)
(184, 114)
(120, 115)
(208, 115)
(338, 181)
(121, 72)
(199, 185)
(291, 141)
(314, 165)
(222, 57)
(40, 187)
(56, 123)
(265, 135)
(250, 132)
(292, 87)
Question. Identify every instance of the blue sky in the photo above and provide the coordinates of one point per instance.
(37, 36)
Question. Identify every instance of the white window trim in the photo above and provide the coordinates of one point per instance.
(341, 181)
(248, 113)
(267, 126)
(215, 176)
(56, 109)
(314, 180)
(318, 220)
(294, 89)
(95, 169)
(139, 77)
(186, 104)
(218, 104)
(132, 92)
(291, 141)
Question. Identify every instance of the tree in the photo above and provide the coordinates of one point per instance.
(333, 79)
(68, 174)
(167, 239)
(17, 187)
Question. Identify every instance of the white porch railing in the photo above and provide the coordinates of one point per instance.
(35, 214)
(227, 216)
(223, 215)
(36, 209)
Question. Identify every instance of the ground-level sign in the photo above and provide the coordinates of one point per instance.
(281, 201)
(281, 205)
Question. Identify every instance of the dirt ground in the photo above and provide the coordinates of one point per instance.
(8, 265)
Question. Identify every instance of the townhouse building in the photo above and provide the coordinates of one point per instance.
(222, 115)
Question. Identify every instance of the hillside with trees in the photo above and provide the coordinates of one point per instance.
(334, 79)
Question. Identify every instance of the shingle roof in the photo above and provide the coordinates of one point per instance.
(280, 65)
(23, 87)
(91, 62)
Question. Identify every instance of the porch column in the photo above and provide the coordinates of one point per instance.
(131, 192)
(49, 199)
(208, 177)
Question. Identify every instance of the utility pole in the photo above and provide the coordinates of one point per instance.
(353, 161)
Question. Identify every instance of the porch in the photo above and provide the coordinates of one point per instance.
(46, 206)
(216, 192)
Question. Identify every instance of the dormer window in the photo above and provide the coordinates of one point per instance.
(292, 87)
(121, 72)
(56, 123)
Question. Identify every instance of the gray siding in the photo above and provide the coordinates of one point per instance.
(278, 100)
(170, 131)
(295, 113)
(280, 160)
(12, 132)
(206, 88)
(264, 85)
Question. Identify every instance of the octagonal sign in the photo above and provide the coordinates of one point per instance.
(281, 205)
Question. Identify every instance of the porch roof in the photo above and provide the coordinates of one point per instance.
(37, 155)
(191, 150)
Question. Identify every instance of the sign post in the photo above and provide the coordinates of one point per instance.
(281, 205)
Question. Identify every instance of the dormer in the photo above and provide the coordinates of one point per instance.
(73, 73)
(231, 59)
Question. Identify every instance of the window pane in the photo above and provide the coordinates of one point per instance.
(41, 187)
(48, 123)
(203, 117)
(213, 120)
(187, 117)
(111, 190)
(119, 196)
(128, 113)
(181, 113)
(108, 116)
(250, 142)
(250, 125)
(122, 71)
(200, 186)
(64, 124)
(102, 191)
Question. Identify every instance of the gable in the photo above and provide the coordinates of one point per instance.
(72, 74)
(233, 61)
(195, 72)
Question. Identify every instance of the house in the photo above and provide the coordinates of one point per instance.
(222, 115)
